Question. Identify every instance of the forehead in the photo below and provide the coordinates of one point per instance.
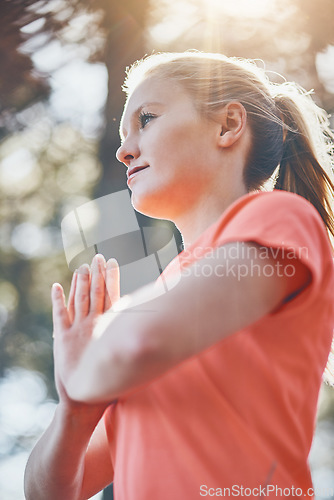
(151, 92)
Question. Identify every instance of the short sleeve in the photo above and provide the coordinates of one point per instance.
(281, 220)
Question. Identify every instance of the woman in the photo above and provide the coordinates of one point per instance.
(211, 388)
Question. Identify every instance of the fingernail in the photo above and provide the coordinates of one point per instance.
(84, 269)
(56, 290)
(112, 263)
(98, 262)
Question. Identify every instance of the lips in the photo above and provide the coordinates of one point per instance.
(134, 170)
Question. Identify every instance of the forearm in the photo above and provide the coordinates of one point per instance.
(56, 465)
(159, 331)
(131, 347)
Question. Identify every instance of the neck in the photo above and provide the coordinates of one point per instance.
(194, 222)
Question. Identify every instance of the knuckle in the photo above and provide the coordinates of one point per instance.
(82, 297)
(98, 289)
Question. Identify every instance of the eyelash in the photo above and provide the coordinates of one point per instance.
(143, 117)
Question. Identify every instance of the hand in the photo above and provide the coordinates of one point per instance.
(92, 293)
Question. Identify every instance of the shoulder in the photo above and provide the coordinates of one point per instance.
(280, 201)
(278, 216)
(281, 221)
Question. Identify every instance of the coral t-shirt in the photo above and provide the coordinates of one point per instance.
(238, 418)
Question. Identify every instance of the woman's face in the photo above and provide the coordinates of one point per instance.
(170, 150)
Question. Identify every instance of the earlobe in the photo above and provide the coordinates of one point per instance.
(227, 139)
(233, 119)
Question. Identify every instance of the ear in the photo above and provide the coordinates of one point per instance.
(233, 119)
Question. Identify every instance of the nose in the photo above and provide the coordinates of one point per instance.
(127, 152)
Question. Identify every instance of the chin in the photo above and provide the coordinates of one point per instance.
(151, 206)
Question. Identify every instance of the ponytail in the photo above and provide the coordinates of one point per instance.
(306, 158)
(306, 165)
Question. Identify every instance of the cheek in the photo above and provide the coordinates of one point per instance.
(180, 144)
(178, 151)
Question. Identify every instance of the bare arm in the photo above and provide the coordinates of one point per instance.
(143, 342)
(62, 465)
(71, 460)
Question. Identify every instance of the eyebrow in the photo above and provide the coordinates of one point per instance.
(136, 112)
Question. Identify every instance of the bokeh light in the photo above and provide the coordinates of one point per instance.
(19, 173)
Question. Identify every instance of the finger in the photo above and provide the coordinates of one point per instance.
(70, 305)
(81, 296)
(112, 283)
(60, 316)
(97, 287)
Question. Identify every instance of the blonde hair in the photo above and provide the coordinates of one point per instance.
(291, 139)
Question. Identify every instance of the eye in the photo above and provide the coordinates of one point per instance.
(144, 118)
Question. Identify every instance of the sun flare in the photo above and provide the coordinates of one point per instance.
(243, 8)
